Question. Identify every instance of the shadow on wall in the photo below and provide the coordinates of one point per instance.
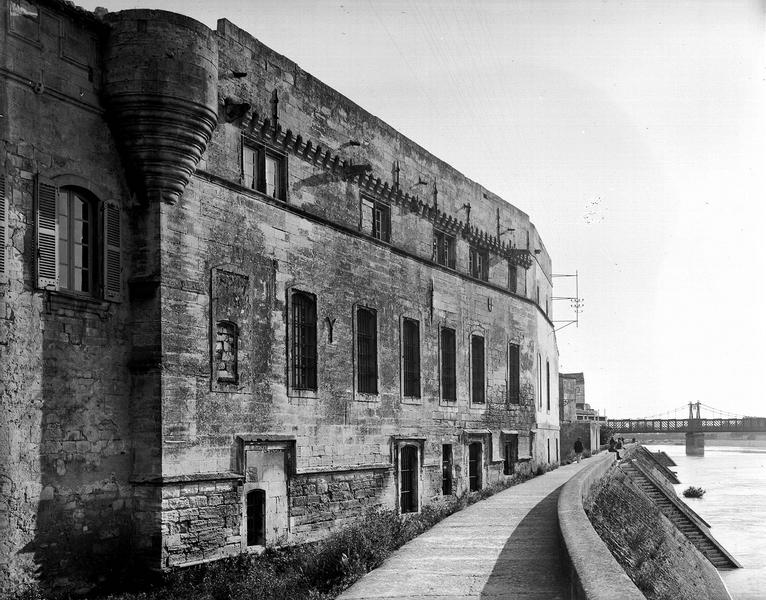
(84, 532)
(531, 558)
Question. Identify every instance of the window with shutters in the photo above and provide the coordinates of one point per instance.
(447, 363)
(477, 369)
(411, 358)
(479, 263)
(265, 171)
(513, 374)
(444, 249)
(78, 242)
(303, 358)
(367, 351)
(376, 219)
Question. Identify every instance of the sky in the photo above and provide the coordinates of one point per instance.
(633, 134)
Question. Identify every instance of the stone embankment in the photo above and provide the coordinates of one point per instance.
(625, 547)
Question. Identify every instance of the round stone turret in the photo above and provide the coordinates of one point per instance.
(161, 86)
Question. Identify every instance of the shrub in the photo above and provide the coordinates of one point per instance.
(587, 453)
(694, 492)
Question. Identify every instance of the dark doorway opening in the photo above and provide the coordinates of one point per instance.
(256, 518)
(408, 473)
(474, 466)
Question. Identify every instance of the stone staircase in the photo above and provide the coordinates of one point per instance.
(694, 527)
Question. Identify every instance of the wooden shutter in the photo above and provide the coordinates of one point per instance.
(112, 254)
(3, 224)
(46, 200)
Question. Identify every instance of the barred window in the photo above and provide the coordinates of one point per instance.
(513, 374)
(367, 350)
(411, 357)
(477, 369)
(304, 346)
(408, 474)
(446, 469)
(448, 369)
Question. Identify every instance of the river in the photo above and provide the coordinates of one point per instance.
(734, 505)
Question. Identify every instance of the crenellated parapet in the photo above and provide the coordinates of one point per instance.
(160, 84)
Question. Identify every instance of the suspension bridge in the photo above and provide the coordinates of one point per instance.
(694, 425)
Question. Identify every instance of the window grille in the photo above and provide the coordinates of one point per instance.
(304, 346)
(367, 352)
(408, 475)
(474, 467)
(448, 370)
(477, 369)
(513, 374)
(411, 350)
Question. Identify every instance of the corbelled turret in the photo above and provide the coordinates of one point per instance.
(161, 76)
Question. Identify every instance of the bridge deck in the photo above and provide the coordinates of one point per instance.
(746, 425)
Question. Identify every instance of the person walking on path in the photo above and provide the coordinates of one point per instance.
(578, 449)
(613, 447)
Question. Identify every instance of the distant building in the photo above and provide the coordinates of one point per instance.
(577, 418)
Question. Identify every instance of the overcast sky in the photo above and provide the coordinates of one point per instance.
(633, 133)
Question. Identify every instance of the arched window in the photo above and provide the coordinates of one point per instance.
(256, 518)
(304, 346)
(77, 241)
(76, 214)
(408, 476)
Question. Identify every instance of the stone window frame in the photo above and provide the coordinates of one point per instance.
(442, 238)
(483, 440)
(481, 333)
(293, 391)
(379, 229)
(442, 400)
(410, 399)
(359, 395)
(257, 181)
(513, 397)
(400, 443)
(106, 232)
(215, 316)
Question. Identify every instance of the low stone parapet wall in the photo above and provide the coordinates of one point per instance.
(594, 572)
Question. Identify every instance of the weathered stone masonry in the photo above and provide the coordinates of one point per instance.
(196, 411)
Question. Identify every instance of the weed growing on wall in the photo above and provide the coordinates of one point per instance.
(693, 492)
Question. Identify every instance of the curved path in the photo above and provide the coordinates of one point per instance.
(504, 547)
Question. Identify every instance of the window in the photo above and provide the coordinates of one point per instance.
(304, 342)
(548, 384)
(474, 466)
(549, 448)
(256, 518)
(513, 374)
(446, 469)
(448, 369)
(510, 453)
(513, 276)
(411, 357)
(479, 263)
(477, 369)
(444, 249)
(265, 171)
(539, 381)
(367, 351)
(226, 352)
(78, 242)
(376, 219)
(408, 479)
(3, 222)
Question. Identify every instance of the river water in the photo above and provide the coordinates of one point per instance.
(734, 505)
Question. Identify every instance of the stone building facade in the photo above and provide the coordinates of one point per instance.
(237, 310)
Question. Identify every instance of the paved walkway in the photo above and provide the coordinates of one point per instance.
(504, 547)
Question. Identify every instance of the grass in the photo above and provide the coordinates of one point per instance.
(693, 492)
(318, 571)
